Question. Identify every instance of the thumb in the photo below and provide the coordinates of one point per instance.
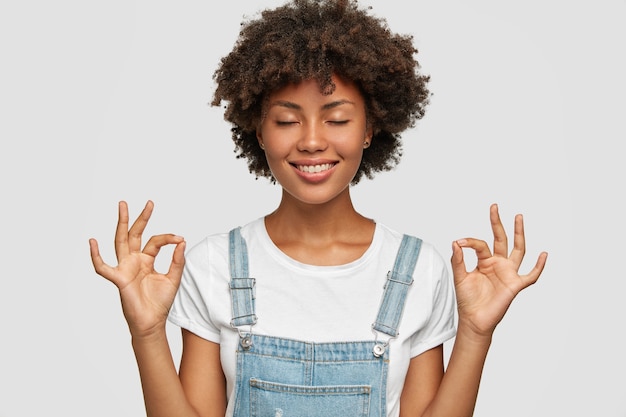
(175, 271)
(457, 261)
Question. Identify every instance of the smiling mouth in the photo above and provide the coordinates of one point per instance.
(313, 169)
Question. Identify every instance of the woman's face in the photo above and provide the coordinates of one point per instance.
(314, 142)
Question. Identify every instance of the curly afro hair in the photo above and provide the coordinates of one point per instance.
(314, 39)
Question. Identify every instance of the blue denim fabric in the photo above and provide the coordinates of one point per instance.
(293, 378)
(398, 282)
(279, 377)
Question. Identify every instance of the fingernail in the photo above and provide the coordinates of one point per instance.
(462, 242)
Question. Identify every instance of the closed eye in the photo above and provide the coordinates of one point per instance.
(338, 122)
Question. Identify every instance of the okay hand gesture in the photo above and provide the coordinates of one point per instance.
(146, 294)
(485, 294)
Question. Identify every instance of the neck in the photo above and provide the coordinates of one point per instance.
(315, 219)
(331, 233)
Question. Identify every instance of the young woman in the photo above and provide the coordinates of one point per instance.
(315, 309)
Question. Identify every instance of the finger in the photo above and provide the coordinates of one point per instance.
(479, 246)
(99, 265)
(519, 241)
(500, 241)
(459, 270)
(121, 232)
(155, 243)
(534, 274)
(178, 262)
(138, 227)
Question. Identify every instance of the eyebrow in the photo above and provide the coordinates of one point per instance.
(327, 106)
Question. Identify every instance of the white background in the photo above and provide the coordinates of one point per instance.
(107, 100)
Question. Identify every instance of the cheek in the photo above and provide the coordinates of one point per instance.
(276, 153)
(351, 149)
(275, 148)
(351, 144)
(272, 140)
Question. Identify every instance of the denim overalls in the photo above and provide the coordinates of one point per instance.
(279, 377)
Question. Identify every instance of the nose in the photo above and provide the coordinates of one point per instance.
(312, 138)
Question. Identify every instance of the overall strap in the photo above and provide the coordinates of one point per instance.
(242, 292)
(398, 282)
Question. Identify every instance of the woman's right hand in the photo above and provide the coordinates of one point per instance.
(146, 294)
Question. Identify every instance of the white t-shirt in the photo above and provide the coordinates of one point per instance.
(316, 303)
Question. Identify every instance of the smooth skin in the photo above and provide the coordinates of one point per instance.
(483, 297)
(314, 223)
(147, 296)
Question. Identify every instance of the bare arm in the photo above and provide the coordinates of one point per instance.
(454, 393)
(162, 389)
(201, 375)
(422, 382)
(199, 390)
(483, 297)
(146, 297)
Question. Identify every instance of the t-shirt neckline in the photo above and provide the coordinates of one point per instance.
(281, 257)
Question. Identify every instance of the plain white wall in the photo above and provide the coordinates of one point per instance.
(103, 101)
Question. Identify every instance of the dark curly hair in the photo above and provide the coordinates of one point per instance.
(314, 39)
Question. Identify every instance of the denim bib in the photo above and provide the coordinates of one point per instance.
(279, 377)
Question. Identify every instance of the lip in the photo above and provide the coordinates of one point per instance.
(314, 177)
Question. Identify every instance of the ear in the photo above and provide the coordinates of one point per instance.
(369, 134)
(259, 138)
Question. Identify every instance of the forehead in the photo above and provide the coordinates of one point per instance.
(309, 92)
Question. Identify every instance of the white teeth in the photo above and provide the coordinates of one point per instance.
(315, 168)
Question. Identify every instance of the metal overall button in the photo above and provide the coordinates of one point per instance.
(245, 338)
(246, 342)
(379, 350)
(380, 347)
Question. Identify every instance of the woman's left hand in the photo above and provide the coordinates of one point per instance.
(485, 294)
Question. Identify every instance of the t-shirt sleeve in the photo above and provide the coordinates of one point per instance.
(190, 308)
(440, 325)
